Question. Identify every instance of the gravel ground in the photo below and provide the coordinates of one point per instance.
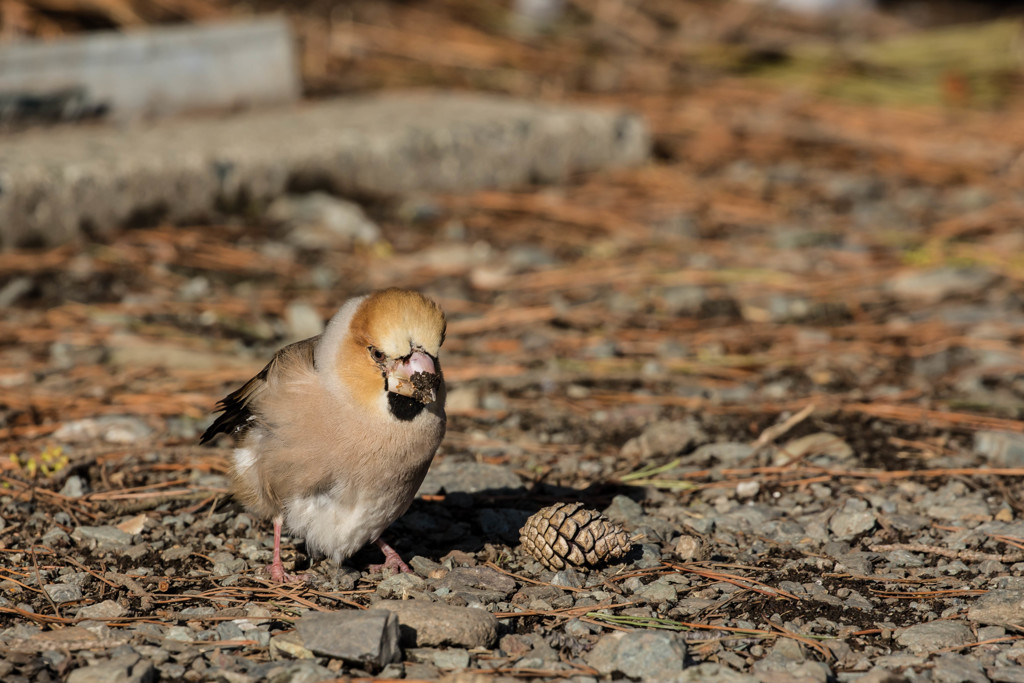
(785, 357)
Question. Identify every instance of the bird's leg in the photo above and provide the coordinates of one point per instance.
(276, 568)
(392, 560)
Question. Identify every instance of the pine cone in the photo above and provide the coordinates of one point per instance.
(567, 534)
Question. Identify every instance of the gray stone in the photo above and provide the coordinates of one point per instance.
(727, 453)
(625, 510)
(289, 644)
(782, 308)
(137, 551)
(1006, 674)
(1001, 607)
(124, 669)
(787, 662)
(468, 477)
(171, 671)
(569, 578)
(368, 637)
(954, 668)
(421, 671)
(649, 655)
(786, 650)
(41, 641)
(664, 438)
(117, 429)
(108, 609)
(650, 556)
(657, 592)
(74, 487)
(578, 629)
(387, 144)
(300, 671)
(14, 290)
(226, 564)
(818, 592)
(102, 536)
(528, 647)
(970, 507)
(478, 584)
(55, 538)
(934, 635)
(691, 548)
(785, 531)
(713, 673)
(531, 257)
(426, 567)
(821, 448)
(178, 552)
(462, 399)
(603, 655)
(684, 299)
(860, 563)
(320, 221)
(857, 601)
(791, 672)
(990, 632)
(194, 289)
(54, 658)
(531, 594)
(534, 18)
(400, 586)
(1003, 449)
(182, 634)
(229, 630)
(852, 519)
(432, 624)
(302, 321)
(452, 658)
(63, 592)
(932, 286)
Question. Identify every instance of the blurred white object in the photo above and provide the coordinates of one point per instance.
(537, 14)
(820, 6)
(156, 71)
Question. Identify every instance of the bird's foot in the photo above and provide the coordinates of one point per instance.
(276, 568)
(393, 564)
(277, 573)
(392, 560)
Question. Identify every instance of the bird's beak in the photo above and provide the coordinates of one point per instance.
(415, 377)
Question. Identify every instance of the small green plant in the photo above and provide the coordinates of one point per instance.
(639, 622)
(47, 463)
(645, 477)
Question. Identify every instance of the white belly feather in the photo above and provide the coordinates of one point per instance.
(339, 525)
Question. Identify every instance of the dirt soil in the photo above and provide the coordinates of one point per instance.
(794, 336)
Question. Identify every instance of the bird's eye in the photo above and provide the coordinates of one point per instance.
(377, 355)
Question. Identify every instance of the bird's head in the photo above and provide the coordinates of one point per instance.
(394, 337)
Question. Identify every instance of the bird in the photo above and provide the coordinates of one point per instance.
(335, 435)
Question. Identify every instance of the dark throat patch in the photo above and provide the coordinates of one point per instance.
(403, 407)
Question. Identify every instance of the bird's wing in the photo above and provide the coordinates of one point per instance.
(237, 408)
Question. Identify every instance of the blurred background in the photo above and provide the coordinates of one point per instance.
(820, 177)
(799, 212)
(827, 207)
(944, 52)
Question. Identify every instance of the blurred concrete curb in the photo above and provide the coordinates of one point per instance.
(57, 184)
(152, 71)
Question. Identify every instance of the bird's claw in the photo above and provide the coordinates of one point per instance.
(392, 560)
(393, 563)
(278, 574)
